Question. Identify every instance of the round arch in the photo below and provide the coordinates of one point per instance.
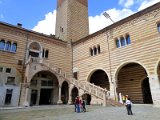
(65, 92)
(125, 63)
(132, 79)
(44, 88)
(99, 78)
(74, 93)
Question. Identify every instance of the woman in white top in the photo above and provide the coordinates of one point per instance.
(128, 106)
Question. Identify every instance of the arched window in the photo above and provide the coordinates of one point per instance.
(2, 44)
(91, 51)
(14, 47)
(95, 51)
(122, 41)
(8, 46)
(34, 49)
(46, 53)
(99, 49)
(158, 27)
(128, 40)
(118, 43)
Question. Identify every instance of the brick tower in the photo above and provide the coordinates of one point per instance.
(72, 19)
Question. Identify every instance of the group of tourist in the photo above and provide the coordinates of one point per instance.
(79, 105)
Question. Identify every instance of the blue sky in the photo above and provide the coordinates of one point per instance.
(39, 16)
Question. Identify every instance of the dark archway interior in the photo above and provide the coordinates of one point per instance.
(129, 82)
(147, 98)
(158, 72)
(100, 78)
(43, 83)
(74, 94)
(64, 93)
(87, 98)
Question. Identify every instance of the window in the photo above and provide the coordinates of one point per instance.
(46, 53)
(122, 41)
(46, 83)
(95, 51)
(10, 80)
(118, 43)
(1, 69)
(128, 39)
(158, 27)
(2, 44)
(8, 46)
(8, 70)
(34, 82)
(8, 96)
(91, 51)
(75, 75)
(14, 47)
(99, 49)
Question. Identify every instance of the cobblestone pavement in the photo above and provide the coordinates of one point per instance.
(66, 112)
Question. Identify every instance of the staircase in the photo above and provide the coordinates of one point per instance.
(88, 87)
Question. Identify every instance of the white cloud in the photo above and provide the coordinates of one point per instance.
(47, 26)
(99, 22)
(147, 3)
(126, 3)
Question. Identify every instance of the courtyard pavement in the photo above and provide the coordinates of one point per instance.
(66, 112)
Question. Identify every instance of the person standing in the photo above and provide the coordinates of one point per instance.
(129, 106)
(83, 106)
(78, 104)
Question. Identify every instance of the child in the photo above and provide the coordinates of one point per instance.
(128, 106)
(83, 106)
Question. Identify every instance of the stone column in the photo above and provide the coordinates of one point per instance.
(27, 97)
(70, 95)
(104, 99)
(59, 96)
(155, 89)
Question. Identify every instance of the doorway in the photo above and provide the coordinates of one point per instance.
(45, 96)
(147, 97)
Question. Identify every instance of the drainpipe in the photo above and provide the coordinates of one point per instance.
(110, 68)
(23, 68)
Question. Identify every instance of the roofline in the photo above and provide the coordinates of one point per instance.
(31, 31)
(129, 18)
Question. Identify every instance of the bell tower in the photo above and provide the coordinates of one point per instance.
(72, 20)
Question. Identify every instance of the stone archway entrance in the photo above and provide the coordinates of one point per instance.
(87, 98)
(64, 93)
(44, 89)
(133, 81)
(100, 78)
(158, 72)
(74, 94)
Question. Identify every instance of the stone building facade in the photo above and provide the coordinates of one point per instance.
(121, 59)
